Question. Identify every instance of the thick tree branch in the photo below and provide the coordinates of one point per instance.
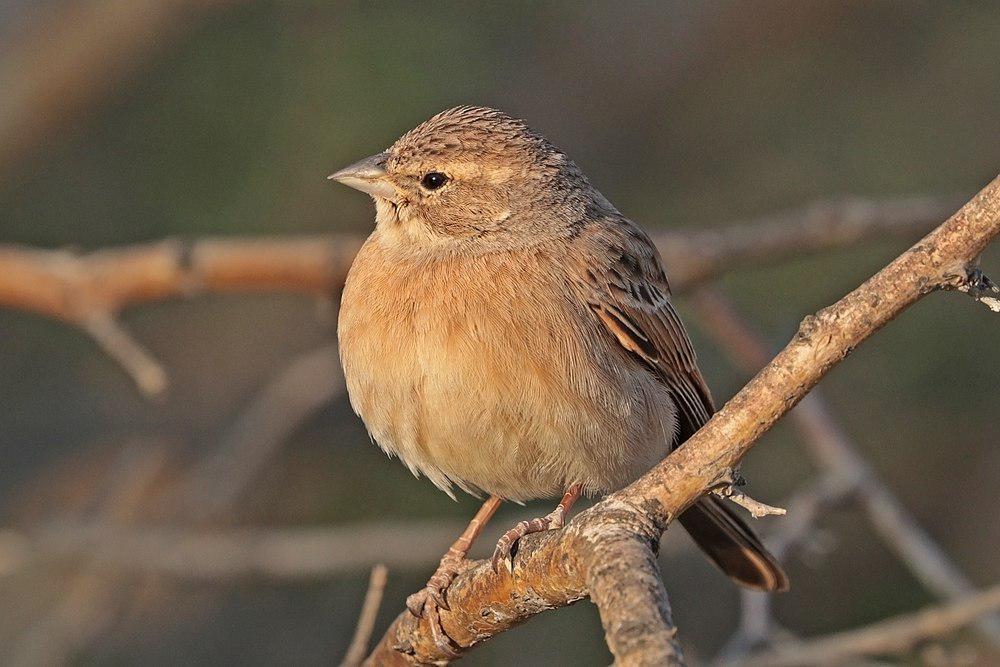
(554, 569)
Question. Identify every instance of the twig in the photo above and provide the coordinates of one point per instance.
(554, 569)
(695, 257)
(358, 648)
(756, 508)
(90, 290)
(894, 636)
(118, 343)
(725, 487)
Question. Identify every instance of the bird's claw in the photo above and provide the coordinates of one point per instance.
(439, 599)
(426, 603)
(507, 543)
(502, 555)
(428, 596)
(415, 603)
(442, 641)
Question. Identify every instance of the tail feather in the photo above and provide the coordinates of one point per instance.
(732, 546)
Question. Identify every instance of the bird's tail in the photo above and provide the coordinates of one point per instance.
(732, 545)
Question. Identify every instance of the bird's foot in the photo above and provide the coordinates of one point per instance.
(428, 601)
(434, 592)
(508, 541)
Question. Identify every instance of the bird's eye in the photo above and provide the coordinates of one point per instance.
(433, 180)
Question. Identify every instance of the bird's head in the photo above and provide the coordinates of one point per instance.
(471, 174)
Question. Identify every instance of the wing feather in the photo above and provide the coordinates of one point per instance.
(631, 297)
(629, 293)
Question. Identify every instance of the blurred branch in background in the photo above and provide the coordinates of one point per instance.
(72, 56)
(93, 595)
(293, 554)
(358, 649)
(91, 290)
(895, 636)
(844, 476)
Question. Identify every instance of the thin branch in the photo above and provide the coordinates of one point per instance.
(756, 508)
(891, 637)
(358, 648)
(69, 286)
(135, 360)
(695, 257)
(554, 568)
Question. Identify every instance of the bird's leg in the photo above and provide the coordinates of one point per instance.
(551, 521)
(432, 595)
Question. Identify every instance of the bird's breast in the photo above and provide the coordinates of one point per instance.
(478, 370)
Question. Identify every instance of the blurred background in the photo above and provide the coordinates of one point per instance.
(125, 122)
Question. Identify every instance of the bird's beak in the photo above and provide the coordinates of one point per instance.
(367, 175)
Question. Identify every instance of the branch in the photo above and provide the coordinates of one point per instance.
(358, 649)
(135, 360)
(555, 569)
(894, 636)
(69, 286)
(90, 290)
(695, 257)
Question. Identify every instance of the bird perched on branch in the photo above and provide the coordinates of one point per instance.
(507, 331)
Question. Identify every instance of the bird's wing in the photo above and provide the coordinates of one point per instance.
(631, 297)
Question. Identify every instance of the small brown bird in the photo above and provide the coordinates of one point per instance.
(506, 330)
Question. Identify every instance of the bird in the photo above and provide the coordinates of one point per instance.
(506, 331)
